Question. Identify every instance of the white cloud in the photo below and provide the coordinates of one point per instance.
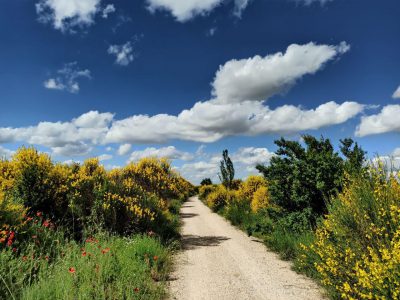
(72, 149)
(104, 157)
(123, 53)
(65, 15)
(124, 149)
(396, 94)
(385, 121)
(251, 156)
(242, 113)
(208, 122)
(183, 10)
(67, 78)
(195, 172)
(109, 9)
(5, 153)
(169, 152)
(64, 138)
(240, 6)
(258, 78)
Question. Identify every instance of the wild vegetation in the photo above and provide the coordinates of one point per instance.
(336, 216)
(82, 232)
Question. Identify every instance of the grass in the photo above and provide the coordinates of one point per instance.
(103, 267)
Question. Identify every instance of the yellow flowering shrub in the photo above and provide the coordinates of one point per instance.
(357, 246)
(205, 190)
(260, 199)
(218, 198)
(133, 198)
(249, 187)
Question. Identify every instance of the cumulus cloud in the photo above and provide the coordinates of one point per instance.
(385, 121)
(251, 157)
(124, 149)
(72, 149)
(63, 138)
(65, 15)
(67, 78)
(109, 9)
(183, 10)
(241, 112)
(123, 53)
(258, 78)
(169, 152)
(396, 94)
(208, 122)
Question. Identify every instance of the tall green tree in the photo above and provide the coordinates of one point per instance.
(227, 171)
(305, 178)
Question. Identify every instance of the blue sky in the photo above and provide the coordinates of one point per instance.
(188, 78)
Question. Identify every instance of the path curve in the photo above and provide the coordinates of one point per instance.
(220, 262)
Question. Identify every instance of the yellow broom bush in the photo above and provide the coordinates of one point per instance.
(357, 247)
(260, 199)
(249, 187)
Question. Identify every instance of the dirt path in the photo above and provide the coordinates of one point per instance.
(221, 262)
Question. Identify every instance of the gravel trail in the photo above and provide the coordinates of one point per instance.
(220, 262)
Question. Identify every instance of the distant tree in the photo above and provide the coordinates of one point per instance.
(206, 181)
(227, 171)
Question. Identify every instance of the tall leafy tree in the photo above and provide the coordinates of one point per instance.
(305, 178)
(227, 171)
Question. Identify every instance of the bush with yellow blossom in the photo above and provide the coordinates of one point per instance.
(357, 248)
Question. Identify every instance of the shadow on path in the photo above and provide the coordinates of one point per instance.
(188, 215)
(190, 242)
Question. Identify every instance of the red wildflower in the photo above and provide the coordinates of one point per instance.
(39, 214)
(71, 270)
(12, 235)
(104, 251)
(136, 289)
(34, 236)
(46, 258)
(46, 223)
(2, 240)
(9, 243)
(155, 258)
(84, 253)
(29, 219)
(14, 249)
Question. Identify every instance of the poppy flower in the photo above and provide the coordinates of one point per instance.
(39, 214)
(84, 253)
(9, 243)
(155, 258)
(104, 251)
(71, 270)
(136, 290)
(14, 250)
(46, 224)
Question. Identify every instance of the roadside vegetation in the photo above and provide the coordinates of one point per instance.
(335, 215)
(81, 232)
